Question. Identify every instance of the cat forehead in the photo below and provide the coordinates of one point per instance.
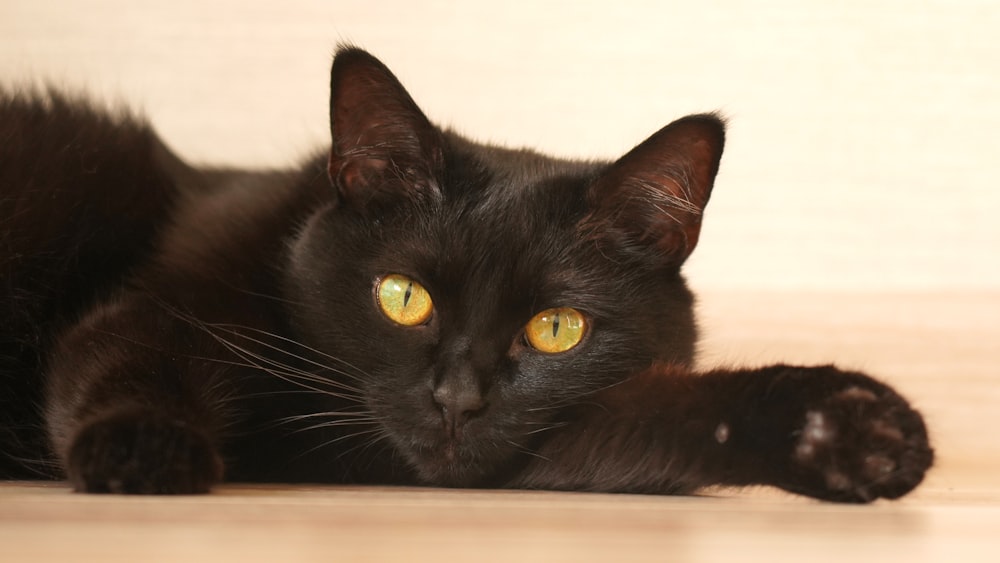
(515, 169)
(515, 207)
(507, 253)
(506, 222)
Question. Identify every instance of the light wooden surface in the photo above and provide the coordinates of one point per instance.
(939, 349)
(331, 524)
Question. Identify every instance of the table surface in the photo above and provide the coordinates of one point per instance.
(939, 349)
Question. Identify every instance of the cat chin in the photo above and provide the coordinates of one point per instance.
(455, 465)
(454, 476)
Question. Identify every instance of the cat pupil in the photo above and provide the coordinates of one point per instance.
(406, 296)
(555, 326)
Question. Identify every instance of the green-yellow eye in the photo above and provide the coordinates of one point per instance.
(403, 300)
(556, 330)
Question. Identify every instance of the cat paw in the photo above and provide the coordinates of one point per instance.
(859, 444)
(140, 453)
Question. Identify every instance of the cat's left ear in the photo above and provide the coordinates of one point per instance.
(652, 199)
(384, 148)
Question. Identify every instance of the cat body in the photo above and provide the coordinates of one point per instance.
(410, 307)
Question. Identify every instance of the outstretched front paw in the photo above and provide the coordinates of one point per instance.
(139, 453)
(860, 443)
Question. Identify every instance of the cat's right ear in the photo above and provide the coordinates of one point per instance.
(384, 149)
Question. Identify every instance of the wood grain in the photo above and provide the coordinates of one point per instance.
(349, 524)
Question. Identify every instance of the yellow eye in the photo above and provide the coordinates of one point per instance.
(403, 300)
(556, 330)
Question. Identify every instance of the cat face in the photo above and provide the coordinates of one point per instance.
(475, 291)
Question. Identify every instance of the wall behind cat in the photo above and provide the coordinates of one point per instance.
(860, 153)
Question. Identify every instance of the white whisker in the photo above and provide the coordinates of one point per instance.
(526, 451)
(279, 369)
(232, 330)
(336, 423)
(249, 357)
(546, 428)
(329, 443)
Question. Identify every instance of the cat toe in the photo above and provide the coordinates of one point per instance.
(135, 453)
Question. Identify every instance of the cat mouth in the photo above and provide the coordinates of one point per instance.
(450, 452)
(467, 455)
(451, 462)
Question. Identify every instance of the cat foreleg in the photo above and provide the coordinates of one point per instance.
(816, 431)
(126, 415)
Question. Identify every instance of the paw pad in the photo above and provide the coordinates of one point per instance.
(860, 444)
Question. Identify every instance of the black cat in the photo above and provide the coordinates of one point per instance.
(445, 313)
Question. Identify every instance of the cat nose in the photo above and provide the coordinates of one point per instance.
(458, 401)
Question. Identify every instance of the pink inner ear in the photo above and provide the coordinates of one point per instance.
(679, 241)
(354, 175)
(674, 209)
(655, 194)
(378, 134)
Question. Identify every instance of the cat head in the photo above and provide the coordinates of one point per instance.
(475, 291)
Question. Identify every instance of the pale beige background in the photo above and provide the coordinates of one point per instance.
(862, 152)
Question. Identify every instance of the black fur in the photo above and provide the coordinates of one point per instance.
(167, 327)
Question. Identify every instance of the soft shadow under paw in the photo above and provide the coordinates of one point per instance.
(860, 444)
(140, 453)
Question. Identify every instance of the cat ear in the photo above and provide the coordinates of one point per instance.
(384, 148)
(653, 197)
